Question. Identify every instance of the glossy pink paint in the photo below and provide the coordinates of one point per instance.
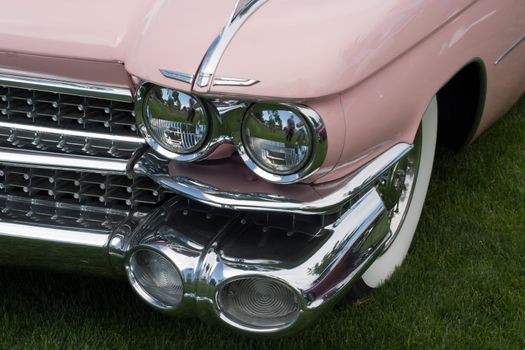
(339, 44)
(369, 68)
(394, 99)
(66, 69)
(145, 35)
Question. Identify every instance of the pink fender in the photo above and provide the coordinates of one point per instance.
(394, 99)
(322, 49)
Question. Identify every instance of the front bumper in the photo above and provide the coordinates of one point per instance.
(214, 236)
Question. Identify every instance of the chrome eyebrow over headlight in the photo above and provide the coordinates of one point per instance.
(282, 143)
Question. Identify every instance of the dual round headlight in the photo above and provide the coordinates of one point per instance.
(276, 141)
(277, 138)
(176, 120)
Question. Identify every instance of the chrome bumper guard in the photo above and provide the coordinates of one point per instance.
(212, 240)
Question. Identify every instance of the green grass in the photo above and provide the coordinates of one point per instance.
(462, 285)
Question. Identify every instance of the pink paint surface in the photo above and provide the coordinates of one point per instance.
(67, 69)
(369, 68)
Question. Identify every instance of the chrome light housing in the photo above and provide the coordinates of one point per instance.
(176, 123)
(155, 278)
(259, 303)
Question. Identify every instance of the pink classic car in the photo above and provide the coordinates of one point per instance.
(247, 162)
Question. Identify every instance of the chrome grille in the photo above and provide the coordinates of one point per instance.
(109, 191)
(63, 123)
(31, 211)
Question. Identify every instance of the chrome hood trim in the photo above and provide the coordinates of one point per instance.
(67, 87)
(242, 10)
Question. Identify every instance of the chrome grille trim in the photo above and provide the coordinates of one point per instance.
(67, 87)
(55, 122)
(84, 134)
(65, 153)
(30, 211)
(39, 159)
(70, 142)
(81, 188)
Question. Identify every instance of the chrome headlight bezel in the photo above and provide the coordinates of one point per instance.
(204, 147)
(225, 123)
(314, 160)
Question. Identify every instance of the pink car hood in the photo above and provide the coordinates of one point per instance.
(144, 34)
(297, 49)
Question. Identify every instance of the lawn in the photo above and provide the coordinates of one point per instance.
(462, 285)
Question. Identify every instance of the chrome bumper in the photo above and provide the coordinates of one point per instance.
(321, 275)
(297, 199)
(210, 244)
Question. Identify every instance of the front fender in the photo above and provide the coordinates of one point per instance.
(302, 49)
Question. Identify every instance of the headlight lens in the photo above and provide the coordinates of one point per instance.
(176, 120)
(155, 278)
(277, 138)
(259, 302)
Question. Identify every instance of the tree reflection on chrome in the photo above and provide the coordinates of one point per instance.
(278, 139)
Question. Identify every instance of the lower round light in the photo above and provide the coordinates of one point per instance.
(259, 303)
(155, 278)
(277, 138)
(175, 120)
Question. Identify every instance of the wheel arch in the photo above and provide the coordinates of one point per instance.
(461, 102)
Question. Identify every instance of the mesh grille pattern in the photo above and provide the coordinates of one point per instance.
(57, 214)
(66, 112)
(112, 191)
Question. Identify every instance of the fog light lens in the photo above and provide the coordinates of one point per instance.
(277, 138)
(155, 278)
(259, 303)
(176, 120)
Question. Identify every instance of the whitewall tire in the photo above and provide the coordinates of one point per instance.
(386, 264)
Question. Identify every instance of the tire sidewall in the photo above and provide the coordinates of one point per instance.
(383, 267)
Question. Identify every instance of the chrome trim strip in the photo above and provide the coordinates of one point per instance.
(510, 49)
(224, 81)
(66, 132)
(242, 10)
(151, 166)
(49, 160)
(183, 77)
(54, 235)
(64, 249)
(67, 87)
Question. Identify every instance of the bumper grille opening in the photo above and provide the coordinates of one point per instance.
(57, 123)
(39, 212)
(113, 191)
